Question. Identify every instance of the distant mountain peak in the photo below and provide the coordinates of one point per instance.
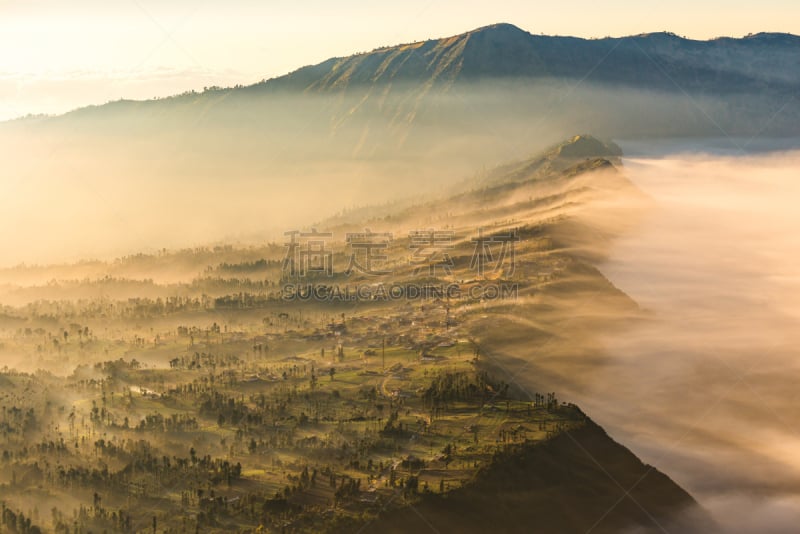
(587, 146)
(661, 35)
(580, 153)
(499, 49)
(497, 28)
(774, 37)
(403, 83)
(503, 51)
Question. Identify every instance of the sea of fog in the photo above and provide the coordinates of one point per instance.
(707, 389)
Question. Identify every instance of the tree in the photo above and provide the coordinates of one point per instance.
(313, 380)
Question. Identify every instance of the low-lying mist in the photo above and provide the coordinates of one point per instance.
(705, 387)
(248, 164)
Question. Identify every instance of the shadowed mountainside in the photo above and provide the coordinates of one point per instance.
(579, 481)
(725, 65)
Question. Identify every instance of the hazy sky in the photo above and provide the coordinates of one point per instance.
(59, 55)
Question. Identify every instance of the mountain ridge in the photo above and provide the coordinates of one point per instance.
(505, 50)
(478, 54)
